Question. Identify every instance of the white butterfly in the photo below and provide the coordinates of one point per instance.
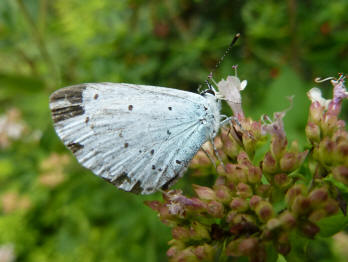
(139, 138)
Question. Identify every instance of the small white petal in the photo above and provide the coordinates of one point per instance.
(243, 85)
(230, 89)
(315, 96)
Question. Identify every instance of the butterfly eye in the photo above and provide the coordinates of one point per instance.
(208, 91)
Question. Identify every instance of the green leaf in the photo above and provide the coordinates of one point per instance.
(281, 258)
(272, 254)
(331, 225)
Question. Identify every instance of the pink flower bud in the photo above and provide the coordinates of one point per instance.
(181, 233)
(223, 193)
(254, 175)
(199, 232)
(232, 248)
(300, 205)
(220, 180)
(342, 152)
(239, 204)
(316, 215)
(288, 162)
(313, 132)
(254, 201)
(309, 229)
(333, 109)
(230, 216)
(282, 181)
(256, 129)
(236, 173)
(204, 252)
(287, 219)
(193, 204)
(326, 151)
(269, 164)
(318, 196)
(331, 207)
(249, 143)
(329, 124)
(264, 211)
(263, 190)
(316, 112)
(293, 192)
(244, 222)
(244, 190)
(204, 193)
(215, 209)
(247, 246)
(273, 223)
(341, 174)
(291, 161)
(341, 124)
(173, 251)
(186, 255)
(243, 159)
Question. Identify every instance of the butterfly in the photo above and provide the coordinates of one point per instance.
(140, 138)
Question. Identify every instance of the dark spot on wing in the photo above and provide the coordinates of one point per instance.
(168, 132)
(71, 93)
(96, 96)
(137, 189)
(178, 162)
(64, 113)
(87, 120)
(170, 182)
(74, 147)
(152, 151)
(121, 179)
(153, 167)
(125, 145)
(130, 107)
(170, 108)
(149, 189)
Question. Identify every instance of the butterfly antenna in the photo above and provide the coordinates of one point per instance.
(228, 50)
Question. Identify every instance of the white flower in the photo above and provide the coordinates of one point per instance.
(315, 96)
(7, 253)
(229, 90)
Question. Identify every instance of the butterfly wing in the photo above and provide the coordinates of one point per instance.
(139, 138)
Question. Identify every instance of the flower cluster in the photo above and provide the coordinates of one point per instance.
(255, 204)
(12, 127)
(52, 170)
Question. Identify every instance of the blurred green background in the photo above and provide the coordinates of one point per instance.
(51, 209)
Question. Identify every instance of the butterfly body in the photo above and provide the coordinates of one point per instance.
(139, 138)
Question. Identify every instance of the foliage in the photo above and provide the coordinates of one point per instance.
(52, 209)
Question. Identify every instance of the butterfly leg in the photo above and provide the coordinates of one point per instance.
(228, 120)
(209, 156)
(217, 153)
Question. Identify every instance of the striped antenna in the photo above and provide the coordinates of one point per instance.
(234, 40)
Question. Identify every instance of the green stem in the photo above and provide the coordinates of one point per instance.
(42, 16)
(38, 38)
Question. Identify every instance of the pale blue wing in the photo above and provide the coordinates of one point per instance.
(140, 138)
